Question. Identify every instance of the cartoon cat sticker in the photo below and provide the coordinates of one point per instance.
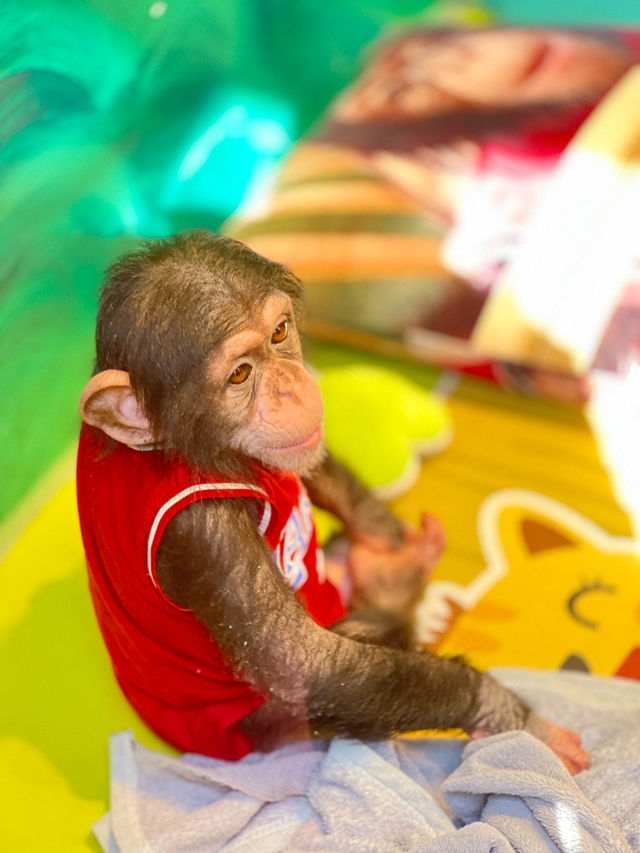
(557, 592)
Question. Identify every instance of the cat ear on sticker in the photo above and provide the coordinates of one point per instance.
(539, 536)
(108, 403)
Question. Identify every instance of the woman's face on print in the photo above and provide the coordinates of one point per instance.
(479, 69)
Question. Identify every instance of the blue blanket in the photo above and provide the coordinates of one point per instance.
(504, 793)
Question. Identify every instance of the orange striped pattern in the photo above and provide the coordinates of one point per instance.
(349, 257)
(332, 219)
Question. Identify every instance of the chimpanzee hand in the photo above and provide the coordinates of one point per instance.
(565, 743)
(390, 577)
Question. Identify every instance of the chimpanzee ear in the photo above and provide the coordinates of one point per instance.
(109, 403)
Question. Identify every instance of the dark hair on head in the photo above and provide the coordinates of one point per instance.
(165, 307)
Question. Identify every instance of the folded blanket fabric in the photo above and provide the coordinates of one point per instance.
(504, 793)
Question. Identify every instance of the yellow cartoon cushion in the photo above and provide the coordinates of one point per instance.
(557, 591)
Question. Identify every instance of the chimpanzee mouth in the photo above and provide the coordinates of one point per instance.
(311, 441)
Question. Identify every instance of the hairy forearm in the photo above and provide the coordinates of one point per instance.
(402, 691)
(375, 692)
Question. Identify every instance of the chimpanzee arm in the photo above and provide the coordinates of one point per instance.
(389, 563)
(213, 561)
(333, 487)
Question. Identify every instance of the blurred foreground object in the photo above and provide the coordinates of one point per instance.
(570, 298)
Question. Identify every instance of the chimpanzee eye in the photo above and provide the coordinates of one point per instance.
(240, 374)
(280, 333)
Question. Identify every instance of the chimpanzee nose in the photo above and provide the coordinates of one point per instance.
(290, 399)
(288, 378)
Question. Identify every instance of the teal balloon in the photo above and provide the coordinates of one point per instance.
(239, 137)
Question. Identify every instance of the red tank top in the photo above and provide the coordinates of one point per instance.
(164, 659)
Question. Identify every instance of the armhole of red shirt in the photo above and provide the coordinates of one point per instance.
(197, 491)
